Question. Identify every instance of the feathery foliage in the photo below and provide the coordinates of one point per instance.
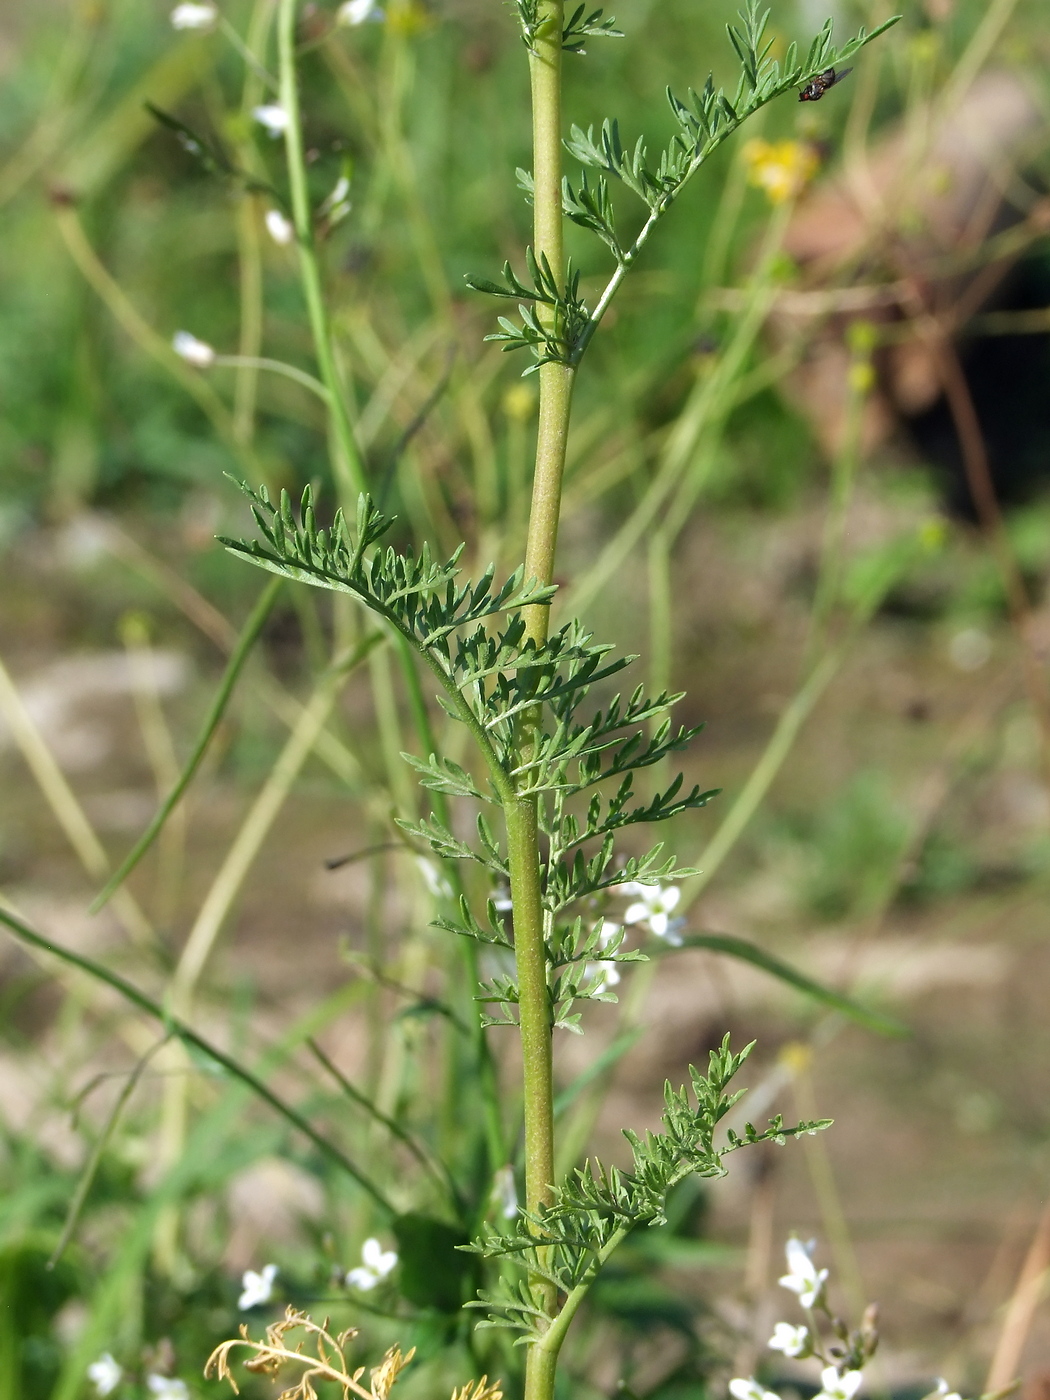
(705, 119)
(567, 1242)
(492, 679)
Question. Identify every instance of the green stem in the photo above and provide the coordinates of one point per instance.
(522, 814)
(556, 380)
(556, 384)
(550, 1344)
(349, 467)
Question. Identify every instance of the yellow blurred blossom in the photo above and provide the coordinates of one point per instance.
(407, 17)
(781, 168)
(796, 1056)
(518, 402)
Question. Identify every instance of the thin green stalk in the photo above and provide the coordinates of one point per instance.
(843, 475)
(556, 380)
(257, 362)
(522, 815)
(245, 643)
(556, 385)
(765, 771)
(98, 1151)
(432, 1165)
(350, 471)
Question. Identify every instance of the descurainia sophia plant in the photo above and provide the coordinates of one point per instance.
(560, 776)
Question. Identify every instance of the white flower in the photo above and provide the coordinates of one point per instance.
(943, 1391)
(193, 351)
(836, 1387)
(435, 882)
(167, 1388)
(377, 1263)
(278, 227)
(505, 1193)
(792, 1341)
(273, 117)
(105, 1373)
(653, 906)
(802, 1276)
(257, 1288)
(750, 1389)
(191, 16)
(355, 12)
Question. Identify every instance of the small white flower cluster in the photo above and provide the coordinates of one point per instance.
(167, 1388)
(652, 907)
(807, 1282)
(106, 1374)
(355, 12)
(337, 205)
(842, 1373)
(195, 352)
(280, 229)
(203, 17)
(256, 1288)
(376, 1263)
(273, 118)
(803, 1277)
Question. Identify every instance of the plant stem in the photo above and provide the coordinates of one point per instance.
(349, 468)
(522, 814)
(556, 380)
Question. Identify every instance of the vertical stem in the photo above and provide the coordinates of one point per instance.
(556, 383)
(349, 467)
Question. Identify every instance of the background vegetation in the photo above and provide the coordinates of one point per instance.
(838, 609)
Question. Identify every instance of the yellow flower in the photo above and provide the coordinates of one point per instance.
(781, 168)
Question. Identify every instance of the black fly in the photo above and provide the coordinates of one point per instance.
(815, 90)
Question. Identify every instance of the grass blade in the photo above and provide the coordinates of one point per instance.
(87, 1176)
(190, 1037)
(758, 957)
(247, 639)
